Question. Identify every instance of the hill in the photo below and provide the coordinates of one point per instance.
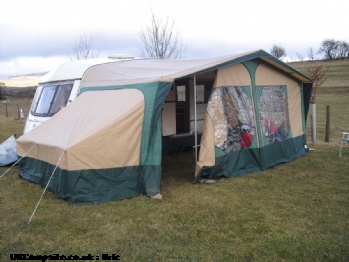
(19, 86)
(337, 74)
(22, 81)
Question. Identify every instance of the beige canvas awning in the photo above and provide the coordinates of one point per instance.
(101, 129)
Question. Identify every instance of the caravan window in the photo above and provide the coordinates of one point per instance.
(273, 110)
(52, 99)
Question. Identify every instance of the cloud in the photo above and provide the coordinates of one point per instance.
(41, 28)
(29, 65)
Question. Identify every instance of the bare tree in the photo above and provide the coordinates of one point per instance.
(300, 57)
(278, 51)
(333, 49)
(343, 49)
(160, 40)
(329, 48)
(318, 75)
(311, 53)
(82, 48)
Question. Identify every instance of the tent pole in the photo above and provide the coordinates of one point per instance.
(59, 160)
(195, 123)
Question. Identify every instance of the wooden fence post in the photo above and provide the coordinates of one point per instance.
(6, 109)
(328, 124)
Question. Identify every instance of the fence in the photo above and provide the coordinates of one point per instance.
(15, 108)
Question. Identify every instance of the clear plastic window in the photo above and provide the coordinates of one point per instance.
(273, 110)
(231, 112)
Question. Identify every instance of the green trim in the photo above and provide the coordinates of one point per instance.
(241, 162)
(252, 68)
(93, 186)
(307, 91)
(248, 91)
(219, 152)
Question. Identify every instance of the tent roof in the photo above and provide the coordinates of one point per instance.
(75, 69)
(166, 70)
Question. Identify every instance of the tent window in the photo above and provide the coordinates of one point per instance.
(203, 91)
(231, 111)
(200, 94)
(52, 99)
(181, 96)
(273, 110)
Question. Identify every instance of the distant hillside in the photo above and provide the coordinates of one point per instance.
(337, 73)
(17, 92)
(22, 81)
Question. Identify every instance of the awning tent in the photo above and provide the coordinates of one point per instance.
(107, 143)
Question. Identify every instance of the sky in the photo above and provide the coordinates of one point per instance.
(37, 35)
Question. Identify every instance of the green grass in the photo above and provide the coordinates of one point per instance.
(298, 211)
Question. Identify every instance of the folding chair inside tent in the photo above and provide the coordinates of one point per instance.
(345, 138)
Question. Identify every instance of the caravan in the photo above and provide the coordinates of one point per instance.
(60, 87)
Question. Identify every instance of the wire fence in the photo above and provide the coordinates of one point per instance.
(17, 108)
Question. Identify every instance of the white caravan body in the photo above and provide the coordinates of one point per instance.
(60, 87)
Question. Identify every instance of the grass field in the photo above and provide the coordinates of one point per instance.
(298, 211)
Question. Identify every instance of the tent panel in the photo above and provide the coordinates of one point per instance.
(235, 75)
(89, 115)
(237, 163)
(282, 152)
(233, 164)
(155, 94)
(116, 145)
(266, 76)
(207, 147)
(92, 186)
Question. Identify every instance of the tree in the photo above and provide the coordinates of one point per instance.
(278, 51)
(311, 53)
(343, 49)
(333, 49)
(300, 57)
(318, 75)
(329, 48)
(160, 40)
(2, 85)
(82, 48)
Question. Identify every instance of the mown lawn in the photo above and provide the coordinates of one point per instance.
(294, 212)
(298, 211)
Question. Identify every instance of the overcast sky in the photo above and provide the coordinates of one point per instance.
(37, 35)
